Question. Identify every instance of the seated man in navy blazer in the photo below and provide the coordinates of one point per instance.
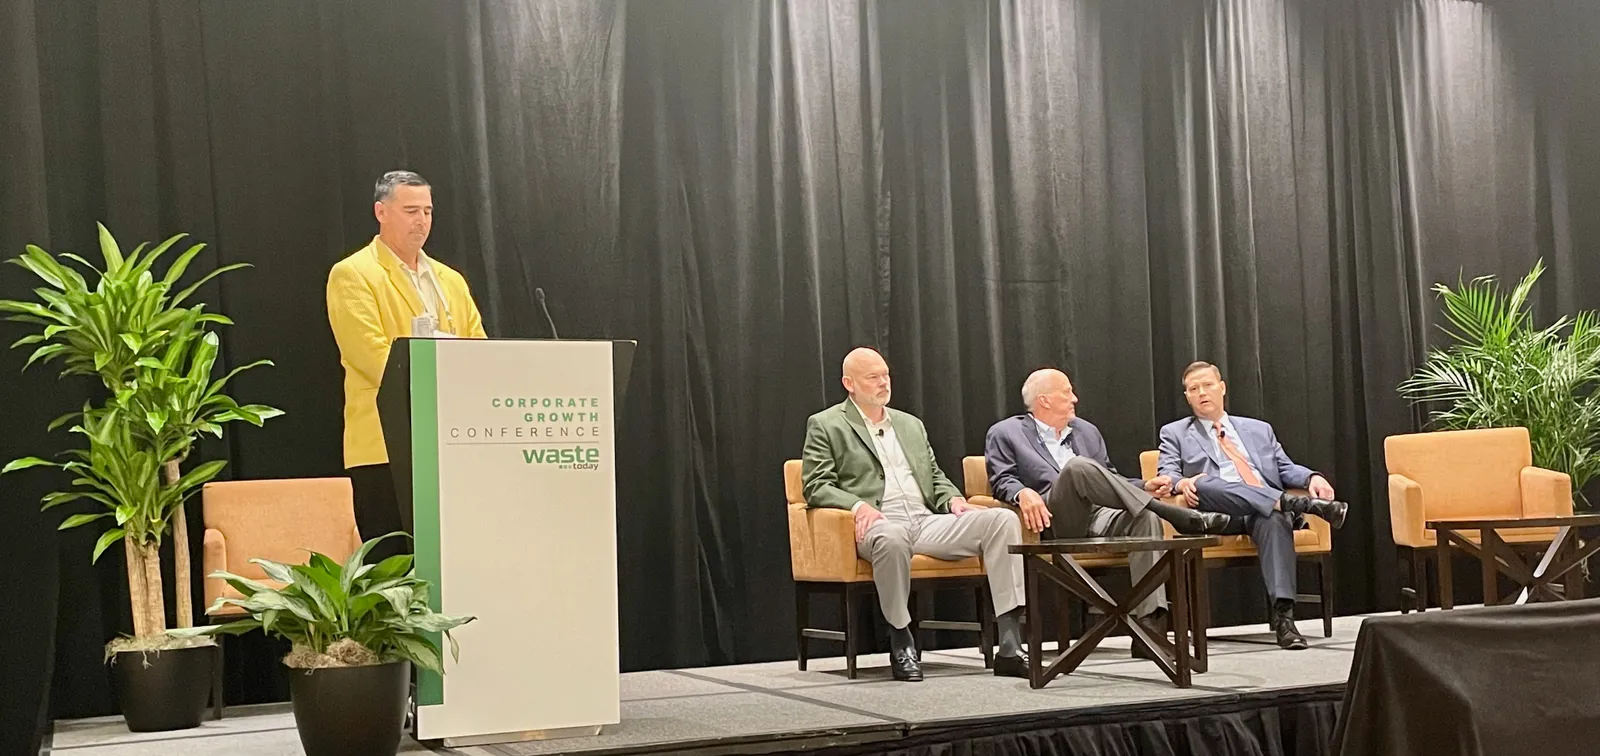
(1232, 464)
(1052, 465)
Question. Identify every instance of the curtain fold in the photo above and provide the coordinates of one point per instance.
(750, 189)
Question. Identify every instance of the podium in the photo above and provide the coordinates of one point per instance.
(504, 458)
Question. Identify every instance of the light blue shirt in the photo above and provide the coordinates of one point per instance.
(1229, 472)
(1060, 448)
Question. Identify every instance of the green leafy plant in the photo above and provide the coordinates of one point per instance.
(1502, 371)
(322, 607)
(130, 329)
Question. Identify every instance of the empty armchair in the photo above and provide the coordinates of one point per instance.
(280, 520)
(1485, 473)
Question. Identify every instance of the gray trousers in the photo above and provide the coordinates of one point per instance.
(889, 545)
(1272, 530)
(1089, 500)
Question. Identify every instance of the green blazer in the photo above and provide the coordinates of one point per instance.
(840, 466)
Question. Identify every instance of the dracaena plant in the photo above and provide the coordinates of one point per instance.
(322, 604)
(1501, 370)
(127, 324)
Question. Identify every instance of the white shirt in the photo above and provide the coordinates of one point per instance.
(1227, 471)
(1060, 448)
(426, 284)
(902, 497)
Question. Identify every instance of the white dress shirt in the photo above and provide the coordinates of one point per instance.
(902, 497)
(1228, 471)
(1059, 447)
(426, 284)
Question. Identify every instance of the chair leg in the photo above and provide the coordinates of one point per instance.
(217, 670)
(802, 615)
(1407, 579)
(850, 630)
(1325, 572)
(916, 623)
(1421, 576)
(986, 624)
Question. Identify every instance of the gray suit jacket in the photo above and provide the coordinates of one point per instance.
(1187, 450)
(1017, 458)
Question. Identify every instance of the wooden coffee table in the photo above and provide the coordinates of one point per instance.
(1498, 558)
(1181, 567)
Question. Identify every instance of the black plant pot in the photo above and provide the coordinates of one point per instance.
(351, 711)
(164, 690)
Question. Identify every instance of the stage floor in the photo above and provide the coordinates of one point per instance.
(773, 707)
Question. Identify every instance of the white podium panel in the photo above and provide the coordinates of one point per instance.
(514, 512)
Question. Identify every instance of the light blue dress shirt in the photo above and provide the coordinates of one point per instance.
(1229, 472)
(1060, 448)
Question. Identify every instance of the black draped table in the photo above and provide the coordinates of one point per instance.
(1495, 681)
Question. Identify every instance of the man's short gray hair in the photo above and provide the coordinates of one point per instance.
(385, 187)
(1037, 382)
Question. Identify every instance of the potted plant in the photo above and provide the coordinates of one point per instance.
(1502, 371)
(355, 630)
(128, 327)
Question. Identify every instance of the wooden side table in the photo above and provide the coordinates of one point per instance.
(1181, 567)
(1499, 559)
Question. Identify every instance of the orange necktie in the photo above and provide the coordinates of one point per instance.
(1239, 462)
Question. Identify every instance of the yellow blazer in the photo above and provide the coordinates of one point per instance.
(370, 304)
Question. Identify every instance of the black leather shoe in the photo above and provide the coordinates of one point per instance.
(903, 662)
(1156, 624)
(1011, 666)
(1289, 636)
(1332, 511)
(1209, 523)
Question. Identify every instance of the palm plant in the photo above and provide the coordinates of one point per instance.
(353, 613)
(155, 358)
(1502, 371)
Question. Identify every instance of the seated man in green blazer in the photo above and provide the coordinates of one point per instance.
(877, 462)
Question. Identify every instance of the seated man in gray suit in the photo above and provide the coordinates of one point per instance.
(1227, 463)
(877, 462)
(1052, 465)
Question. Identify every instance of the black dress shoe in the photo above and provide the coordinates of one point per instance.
(1011, 666)
(1156, 624)
(1208, 523)
(903, 663)
(1289, 636)
(1332, 511)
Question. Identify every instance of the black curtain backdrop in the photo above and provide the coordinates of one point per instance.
(1114, 187)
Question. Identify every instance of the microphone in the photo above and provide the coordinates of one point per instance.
(880, 433)
(538, 293)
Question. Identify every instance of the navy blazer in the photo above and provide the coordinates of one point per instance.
(1187, 450)
(1018, 459)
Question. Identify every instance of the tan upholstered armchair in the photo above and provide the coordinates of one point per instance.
(1315, 541)
(1484, 473)
(279, 520)
(822, 555)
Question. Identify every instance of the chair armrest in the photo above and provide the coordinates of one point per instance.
(1028, 536)
(1408, 519)
(214, 558)
(1546, 493)
(822, 543)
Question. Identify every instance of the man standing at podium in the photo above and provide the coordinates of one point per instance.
(388, 289)
(877, 463)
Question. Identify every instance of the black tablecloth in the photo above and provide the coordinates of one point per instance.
(1476, 682)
